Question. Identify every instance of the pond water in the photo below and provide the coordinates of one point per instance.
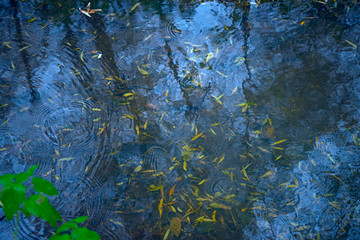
(239, 119)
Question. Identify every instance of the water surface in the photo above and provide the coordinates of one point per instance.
(239, 119)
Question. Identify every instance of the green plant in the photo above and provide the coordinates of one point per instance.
(13, 198)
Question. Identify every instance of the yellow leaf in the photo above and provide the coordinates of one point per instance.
(133, 8)
(57, 153)
(24, 48)
(202, 182)
(213, 216)
(138, 168)
(160, 207)
(96, 109)
(82, 56)
(184, 166)
(31, 20)
(278, 142)
(222, 159)
(147, 38)
(268, 174)
(7, 44)
(137, 130)
(352, 44)
(197, 136)
(209, 56)
(234, 91)
(145, 125)
(143, 72)
(101, 131)
(128, 94)
(221, 74)
(166, 234)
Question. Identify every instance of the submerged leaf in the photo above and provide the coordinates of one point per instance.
(268, 174)
(175, 226)
(219, 205)
(160, 207)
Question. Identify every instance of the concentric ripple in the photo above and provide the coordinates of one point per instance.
(71, 125)
(186, 28)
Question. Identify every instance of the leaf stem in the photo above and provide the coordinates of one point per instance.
(16, 224)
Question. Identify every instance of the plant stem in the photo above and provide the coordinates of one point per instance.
(16, 224)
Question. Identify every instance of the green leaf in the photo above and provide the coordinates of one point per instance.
(60, 237)
(22, 177)
(66, 226)
(11, 197)
(44, 186)
(6, 179)
(80, 219)
(84, 233)
(39, 206)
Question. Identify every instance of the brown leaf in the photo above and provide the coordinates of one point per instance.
(175, 226)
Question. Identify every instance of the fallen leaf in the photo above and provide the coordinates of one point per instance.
(175, 226)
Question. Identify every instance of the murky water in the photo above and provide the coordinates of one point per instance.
(239, 119)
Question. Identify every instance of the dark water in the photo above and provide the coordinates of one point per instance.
(119, 108)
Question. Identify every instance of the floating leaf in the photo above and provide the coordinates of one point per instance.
(221, 74)
(31, 20)
(82, 56)
(166, 234)
(7, 44)
(209, 56)
(171, 192)
(148, 37)
(175, 226)
(66, 159)
(217, 99)
(24, 48)
(278, 142)
(197, 136)
(128, 94)
(239, 60)
(138, 168)
(352, 44)
(133, 8)
(143, 72)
